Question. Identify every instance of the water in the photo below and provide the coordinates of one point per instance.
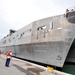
(69, 68)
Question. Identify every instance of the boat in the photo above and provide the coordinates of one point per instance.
(49, 40)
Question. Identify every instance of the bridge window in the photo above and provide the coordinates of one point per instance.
(9, 40)
(19, 36)
(42, 28)
(4, 41)
(50, 26)
(13, 37)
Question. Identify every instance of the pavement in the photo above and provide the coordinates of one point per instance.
(8, 70)
(21, 67)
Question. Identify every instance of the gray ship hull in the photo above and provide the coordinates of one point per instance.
(52, 53)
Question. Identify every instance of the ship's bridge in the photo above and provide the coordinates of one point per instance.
(70, 14)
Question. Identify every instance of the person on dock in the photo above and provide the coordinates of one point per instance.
(8, 58)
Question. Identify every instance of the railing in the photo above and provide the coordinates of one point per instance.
(71, 9)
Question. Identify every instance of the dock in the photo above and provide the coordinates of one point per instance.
(21, 67)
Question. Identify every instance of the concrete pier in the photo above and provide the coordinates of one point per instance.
(20, 67)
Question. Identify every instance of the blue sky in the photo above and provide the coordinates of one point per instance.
(15, 14)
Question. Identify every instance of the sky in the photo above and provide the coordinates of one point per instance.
(15, 14)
